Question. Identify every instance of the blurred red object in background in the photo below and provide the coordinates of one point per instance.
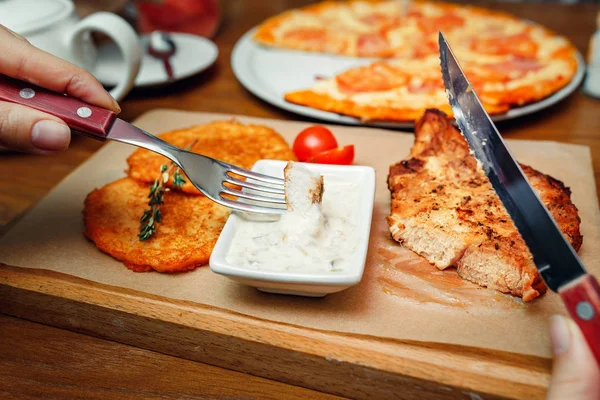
(198, 17)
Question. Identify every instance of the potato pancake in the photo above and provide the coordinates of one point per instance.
(183, 241)
(228, 141)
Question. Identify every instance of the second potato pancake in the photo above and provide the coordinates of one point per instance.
(183, 241)
(229, 141)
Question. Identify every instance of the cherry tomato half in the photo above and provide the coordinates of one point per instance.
(340, 156)
(312, 141)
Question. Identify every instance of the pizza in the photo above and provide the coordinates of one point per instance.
(509, 62)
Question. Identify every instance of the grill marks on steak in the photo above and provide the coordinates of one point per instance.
(445, 209)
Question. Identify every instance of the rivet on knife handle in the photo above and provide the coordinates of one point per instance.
(582, 299)
(81, 117)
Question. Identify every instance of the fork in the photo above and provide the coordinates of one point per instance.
(209, 176)
(262, 194)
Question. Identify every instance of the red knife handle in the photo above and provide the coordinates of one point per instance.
(81, 117)
(582, 299)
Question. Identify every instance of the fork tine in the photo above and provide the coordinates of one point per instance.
(254, 186)
(256, 176)
(253, 197)
(250, 208)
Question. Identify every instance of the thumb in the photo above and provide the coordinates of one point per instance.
(575, 373)
(25, 129)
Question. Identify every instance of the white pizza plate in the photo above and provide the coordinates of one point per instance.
(270, 73)
(193, 55)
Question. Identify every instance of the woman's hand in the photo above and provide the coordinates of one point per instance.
(29, 130)
(575, 373)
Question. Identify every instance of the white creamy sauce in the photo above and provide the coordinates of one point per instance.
(321, 239)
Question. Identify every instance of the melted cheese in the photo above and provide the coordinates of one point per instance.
(429, 9)
(405, 35)
(364, 8)
(399, 97)
(344, 18)
(547, 45)
(404, 99)
(299, 20)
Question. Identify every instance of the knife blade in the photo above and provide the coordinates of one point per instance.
(556, 260)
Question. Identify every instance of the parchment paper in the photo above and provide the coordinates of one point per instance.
(401, 296)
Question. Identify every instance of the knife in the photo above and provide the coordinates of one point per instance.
(555, 259)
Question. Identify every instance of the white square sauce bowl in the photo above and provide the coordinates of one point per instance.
(300, 282)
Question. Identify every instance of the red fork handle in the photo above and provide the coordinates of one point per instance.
(81, 117)
(582, 298)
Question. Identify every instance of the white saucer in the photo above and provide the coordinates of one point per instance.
(194, 54)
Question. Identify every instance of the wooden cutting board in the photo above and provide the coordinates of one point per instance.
(278, 341)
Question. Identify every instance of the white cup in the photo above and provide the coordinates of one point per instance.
(54, 26)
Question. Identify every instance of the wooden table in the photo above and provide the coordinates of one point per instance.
(38, 361)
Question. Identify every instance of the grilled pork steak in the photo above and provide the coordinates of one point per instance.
(445, 209)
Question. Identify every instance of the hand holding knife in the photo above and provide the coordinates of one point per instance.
(556, 260)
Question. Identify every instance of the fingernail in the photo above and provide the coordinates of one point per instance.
(117, 106)
(559, 334)
(15, 34)
(50, 135)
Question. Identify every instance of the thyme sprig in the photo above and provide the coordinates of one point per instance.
(153, 216)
